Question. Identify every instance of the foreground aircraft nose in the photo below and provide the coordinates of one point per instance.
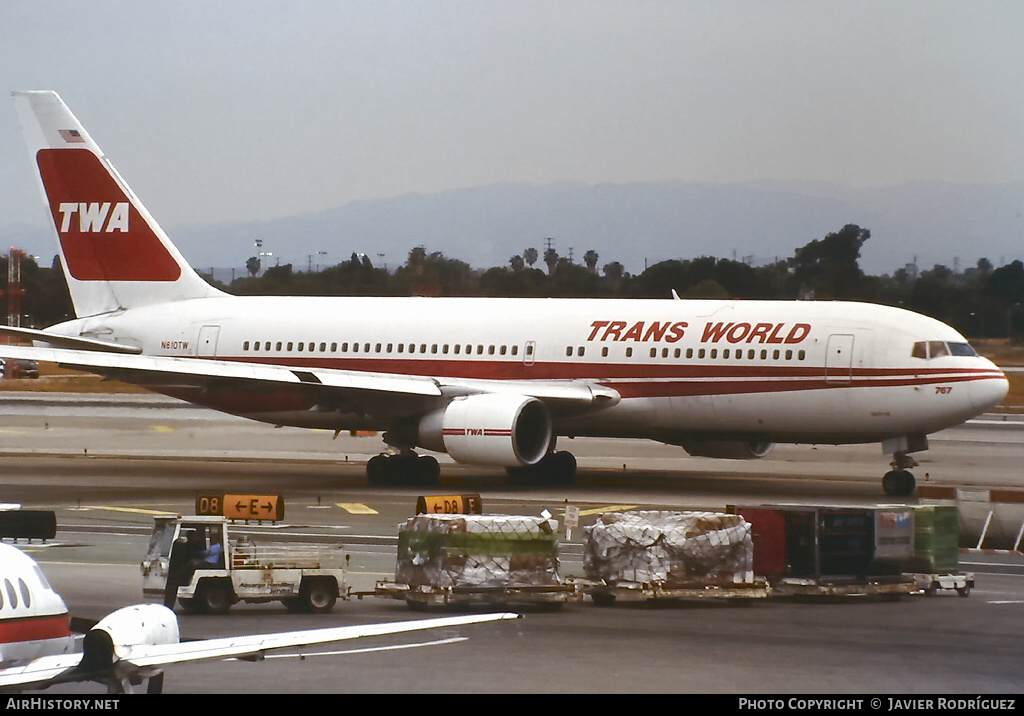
(986, 394)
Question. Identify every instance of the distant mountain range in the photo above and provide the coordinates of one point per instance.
(635, 224)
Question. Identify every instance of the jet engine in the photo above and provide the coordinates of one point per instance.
(489, 429)
(114, 636)
(728, 449)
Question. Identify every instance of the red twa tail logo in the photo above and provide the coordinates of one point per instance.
(103, 237)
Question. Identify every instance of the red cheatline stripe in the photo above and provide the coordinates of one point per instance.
(34, 628)
(516, 370)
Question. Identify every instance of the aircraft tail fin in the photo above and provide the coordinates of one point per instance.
(113, 252)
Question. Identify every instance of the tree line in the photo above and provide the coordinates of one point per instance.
(980, 302)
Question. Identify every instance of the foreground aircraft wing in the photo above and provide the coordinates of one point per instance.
(195, 372)
(39, 673)
(240, 646)
(48, 670)
(319, 383)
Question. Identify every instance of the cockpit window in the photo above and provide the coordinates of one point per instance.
(41, 577)
(937, 349)
(961, 349)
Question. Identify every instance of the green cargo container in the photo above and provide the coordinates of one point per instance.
(936, 540)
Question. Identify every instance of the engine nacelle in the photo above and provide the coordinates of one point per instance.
(489, 429)
(728, 449)
(114, 637)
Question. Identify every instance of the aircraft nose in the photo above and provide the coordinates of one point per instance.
(988, 393)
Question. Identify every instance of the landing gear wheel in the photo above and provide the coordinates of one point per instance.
(428, 471)
(563, 468)
(555, 468)
(404, 469)
(377, 471)
(898, 483)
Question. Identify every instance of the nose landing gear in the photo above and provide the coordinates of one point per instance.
(899, 482)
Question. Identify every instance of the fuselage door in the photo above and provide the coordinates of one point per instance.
(206, 346)
(839, 359)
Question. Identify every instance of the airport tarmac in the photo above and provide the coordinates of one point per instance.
(105, 464)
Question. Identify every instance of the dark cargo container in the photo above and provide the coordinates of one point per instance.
(829, 543)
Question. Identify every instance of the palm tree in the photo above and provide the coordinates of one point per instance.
(551, 259)
(530, 256)
(590, 259)
(613, 272)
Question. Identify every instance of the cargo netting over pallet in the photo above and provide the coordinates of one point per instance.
(669, 548)
(477, 551)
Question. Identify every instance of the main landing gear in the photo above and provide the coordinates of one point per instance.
(405, 468)
(899, 482)
(555, 468)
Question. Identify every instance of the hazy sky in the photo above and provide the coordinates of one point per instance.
(223, 111)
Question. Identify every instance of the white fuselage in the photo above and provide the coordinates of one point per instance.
(780, 371)
(34, 620)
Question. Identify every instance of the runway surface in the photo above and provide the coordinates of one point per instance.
(105, 464)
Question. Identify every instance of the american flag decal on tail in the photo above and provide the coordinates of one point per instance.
(71, 136)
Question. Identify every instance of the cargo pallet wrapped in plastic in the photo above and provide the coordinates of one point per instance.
(446, 559)
(658, 554)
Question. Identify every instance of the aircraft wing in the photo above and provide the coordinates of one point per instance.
(39, 673)
(61, 341)
(320, 383)
(239, 646)
(49, 670)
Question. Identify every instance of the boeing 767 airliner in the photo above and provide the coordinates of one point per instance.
(489, 381)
